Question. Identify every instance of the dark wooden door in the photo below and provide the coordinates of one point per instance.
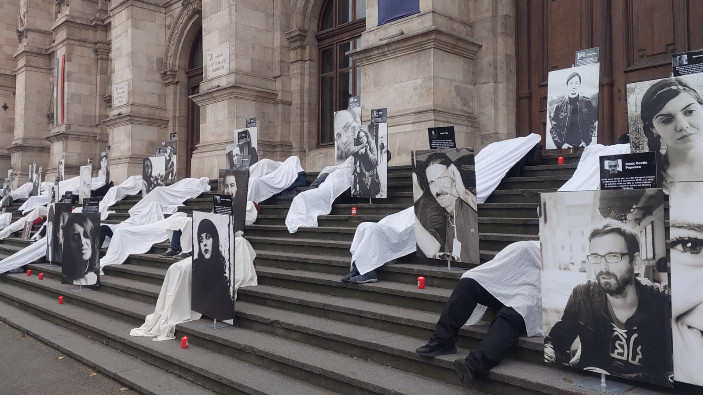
(636, 40)
(195, 77)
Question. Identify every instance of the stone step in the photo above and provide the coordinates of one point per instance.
(403, 198)
(211, 369)
(132, 372)
(343, 209)
(311, 365)
(541, 182)
(553, 158)
(550, 170)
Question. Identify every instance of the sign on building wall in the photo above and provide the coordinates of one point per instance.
(120, 94)
(218, 61)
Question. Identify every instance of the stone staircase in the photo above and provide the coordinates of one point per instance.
(300, 331)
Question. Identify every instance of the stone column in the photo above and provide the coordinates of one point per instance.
(33, 89)
(245, 88)
(9, 11)
(495, 69)
(422, 69)
(137, 126)
(82, 39)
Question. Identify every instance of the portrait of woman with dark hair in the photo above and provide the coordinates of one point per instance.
(365, 180)
(212, 272)
(152, 173)
(246, 144)
(672, 121)
(81, 259)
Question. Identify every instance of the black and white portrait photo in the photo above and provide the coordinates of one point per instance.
(104, 170)
(213, 266)
(236, 184)
(666, 116)
(604, 283)
(446, 216)
(86, 180)
(572, 107)
(230, 150)
(34, 179)
(346, 126)
(686, 251)
(246, 141)
(153, 170)
(62, 165)
(55, 222)
(81, 259)
(366, 177)
(170, 161)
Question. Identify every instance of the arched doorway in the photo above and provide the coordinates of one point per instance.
(194, 75)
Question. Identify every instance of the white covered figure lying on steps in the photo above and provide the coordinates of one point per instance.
(509, 284)
(173, 305)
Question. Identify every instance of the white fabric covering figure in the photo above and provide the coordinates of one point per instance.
(173, 304)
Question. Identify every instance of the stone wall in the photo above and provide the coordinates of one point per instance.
(9, 11)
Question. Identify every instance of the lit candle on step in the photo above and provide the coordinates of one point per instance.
(29, 272)
(353, 210)
(41, 276)
(561, 160)
(60, 299)
(421, 283)
(184, 342)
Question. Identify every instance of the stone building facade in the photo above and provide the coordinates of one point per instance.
(133, 71)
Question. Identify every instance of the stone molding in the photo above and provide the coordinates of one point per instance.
(428, 38)
(65, 135)
(297, 38)
(126, 159)
(28, 145)
(235, 91)
(129, 119)
(433, 114)
(149, 5)
(190, 9)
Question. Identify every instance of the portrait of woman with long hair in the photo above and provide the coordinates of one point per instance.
(81, 259)
(365, 182)
(672, 122)
(212, 273)
(246, 146)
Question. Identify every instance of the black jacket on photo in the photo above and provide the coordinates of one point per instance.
(561, 118)
(587, 317)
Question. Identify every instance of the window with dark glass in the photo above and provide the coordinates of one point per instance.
(341, 25)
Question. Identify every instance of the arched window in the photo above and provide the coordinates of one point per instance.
(341, 25)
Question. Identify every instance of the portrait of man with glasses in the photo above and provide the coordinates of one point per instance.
(615, 319)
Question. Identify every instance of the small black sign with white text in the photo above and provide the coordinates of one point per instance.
(442, 137)
(629, 171)
(222, 204)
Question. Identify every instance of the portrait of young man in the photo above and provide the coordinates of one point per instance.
(573, 107)
(617, 307)
(446, 224)
(236, 184)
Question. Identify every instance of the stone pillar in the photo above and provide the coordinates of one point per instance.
(9, 11)
(82, 39)
(495, 69)
(33, 82)
(244, 31)
(138, 126)
(422, 69)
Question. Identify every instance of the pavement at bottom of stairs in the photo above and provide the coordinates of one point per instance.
(30, 367)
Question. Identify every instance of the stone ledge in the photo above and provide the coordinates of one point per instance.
(130, 119)
(235, 92)
(442, 114)
(428, 38)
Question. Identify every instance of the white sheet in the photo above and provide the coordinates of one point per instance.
(6, 219)
(29, 254)
(173, 305)
(514, 278)
(587, 174)
(132, 237)
(170, 197)
(251, 214)
(308, 205)
(262, 188)
(19, 224)
(496, 159)
(22, 192)
(263, 167)
(33, 202)
(130, 186)
(392, 237)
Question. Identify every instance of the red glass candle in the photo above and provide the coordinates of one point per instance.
(421, 283)
(353, 210)
(41, 276)
(60, 299)
(561, 160)
(184, 342)
(29, 272)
